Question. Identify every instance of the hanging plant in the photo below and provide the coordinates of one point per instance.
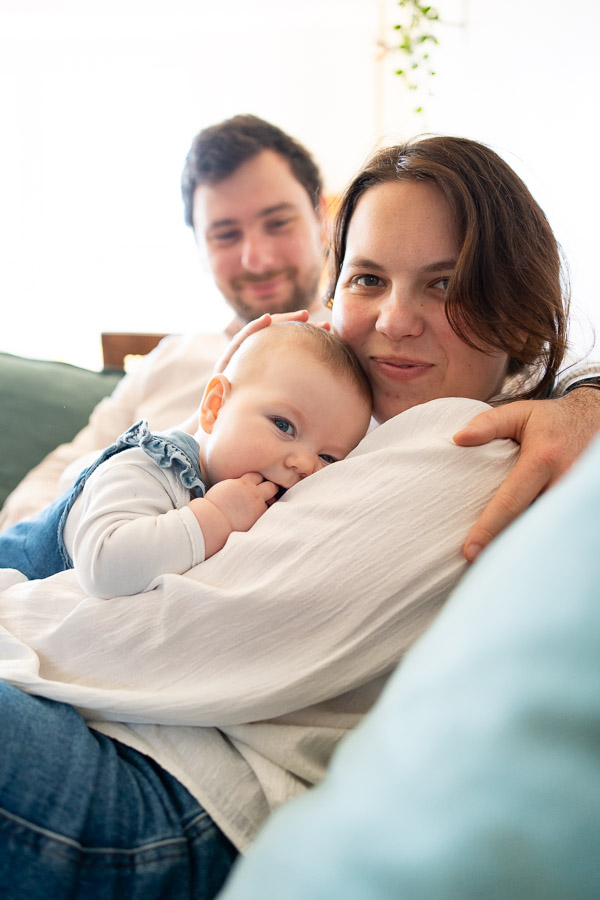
(417, 38)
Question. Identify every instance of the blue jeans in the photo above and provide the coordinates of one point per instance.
(83, 816)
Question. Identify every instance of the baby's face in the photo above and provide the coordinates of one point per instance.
(289, 420)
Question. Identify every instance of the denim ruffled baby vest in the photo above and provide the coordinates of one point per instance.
(36, 548)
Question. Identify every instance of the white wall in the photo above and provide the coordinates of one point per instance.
(99, 100)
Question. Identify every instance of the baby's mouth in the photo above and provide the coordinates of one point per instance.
(280, 492)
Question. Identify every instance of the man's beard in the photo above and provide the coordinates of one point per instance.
(299, 297)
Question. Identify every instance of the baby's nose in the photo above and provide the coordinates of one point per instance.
(304, 461)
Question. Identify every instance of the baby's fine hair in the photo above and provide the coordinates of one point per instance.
(326, 347)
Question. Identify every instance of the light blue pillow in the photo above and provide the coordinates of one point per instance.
(477, 775)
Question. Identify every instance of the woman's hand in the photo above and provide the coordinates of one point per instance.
(300, 315)
(552, 434)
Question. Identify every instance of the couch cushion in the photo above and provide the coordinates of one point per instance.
(42, 404)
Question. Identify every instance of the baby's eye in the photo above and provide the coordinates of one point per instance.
(284, 425)
(326, 458)
(442, 283)
(367, 280)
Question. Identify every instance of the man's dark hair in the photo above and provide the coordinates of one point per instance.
(219, 150)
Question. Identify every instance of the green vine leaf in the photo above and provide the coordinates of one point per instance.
(416, 38)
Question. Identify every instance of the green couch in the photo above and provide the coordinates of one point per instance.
(42, 404)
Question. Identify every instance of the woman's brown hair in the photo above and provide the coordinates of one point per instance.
(509, 291)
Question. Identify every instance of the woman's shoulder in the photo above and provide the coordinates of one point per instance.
(441, 417)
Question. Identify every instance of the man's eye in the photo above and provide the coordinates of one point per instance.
(442, 283)
(326, 458)
(283, 425)
(224, 237)
(367, 280)
(278, 224)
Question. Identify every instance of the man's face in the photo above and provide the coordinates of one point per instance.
(261, 237)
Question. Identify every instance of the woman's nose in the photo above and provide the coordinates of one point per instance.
(401, 314)
(257, 256)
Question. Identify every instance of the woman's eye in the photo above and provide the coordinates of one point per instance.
(367, 280)
(326, 458)
(442, 283)
(283, 425)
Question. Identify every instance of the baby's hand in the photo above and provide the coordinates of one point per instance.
(231, 505)
(242, 500)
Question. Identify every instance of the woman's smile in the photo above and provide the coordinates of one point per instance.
(400, 369)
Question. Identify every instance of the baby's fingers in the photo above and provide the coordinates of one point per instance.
(268, 490)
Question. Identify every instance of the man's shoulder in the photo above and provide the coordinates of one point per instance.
(183, 356)
(168, 384)
(209, 344)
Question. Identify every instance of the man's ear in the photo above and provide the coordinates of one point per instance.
(216, 392)
(325, 215)
(202, 251)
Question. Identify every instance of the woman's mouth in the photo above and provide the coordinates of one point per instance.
(400, 369)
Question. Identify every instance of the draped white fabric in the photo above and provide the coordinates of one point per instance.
(322, 595)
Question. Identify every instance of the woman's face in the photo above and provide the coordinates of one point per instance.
(389, 302)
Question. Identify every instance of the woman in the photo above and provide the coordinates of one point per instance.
(476, 287)
(221, 694)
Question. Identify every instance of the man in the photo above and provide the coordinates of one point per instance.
(253, 196)
(254, 199)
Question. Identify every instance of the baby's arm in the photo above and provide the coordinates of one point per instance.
(130, 524)
(232, 505)
(133, 523)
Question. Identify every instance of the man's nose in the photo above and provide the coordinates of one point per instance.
(257, 254)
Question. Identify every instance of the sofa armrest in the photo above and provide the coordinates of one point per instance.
(42, 404)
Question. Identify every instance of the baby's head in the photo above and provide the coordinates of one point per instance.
(292, 399)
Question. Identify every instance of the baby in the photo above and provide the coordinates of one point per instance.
(292, 400)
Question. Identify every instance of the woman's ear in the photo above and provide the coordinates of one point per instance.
(215, 394)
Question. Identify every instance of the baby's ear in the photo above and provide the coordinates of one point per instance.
(215, 394)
